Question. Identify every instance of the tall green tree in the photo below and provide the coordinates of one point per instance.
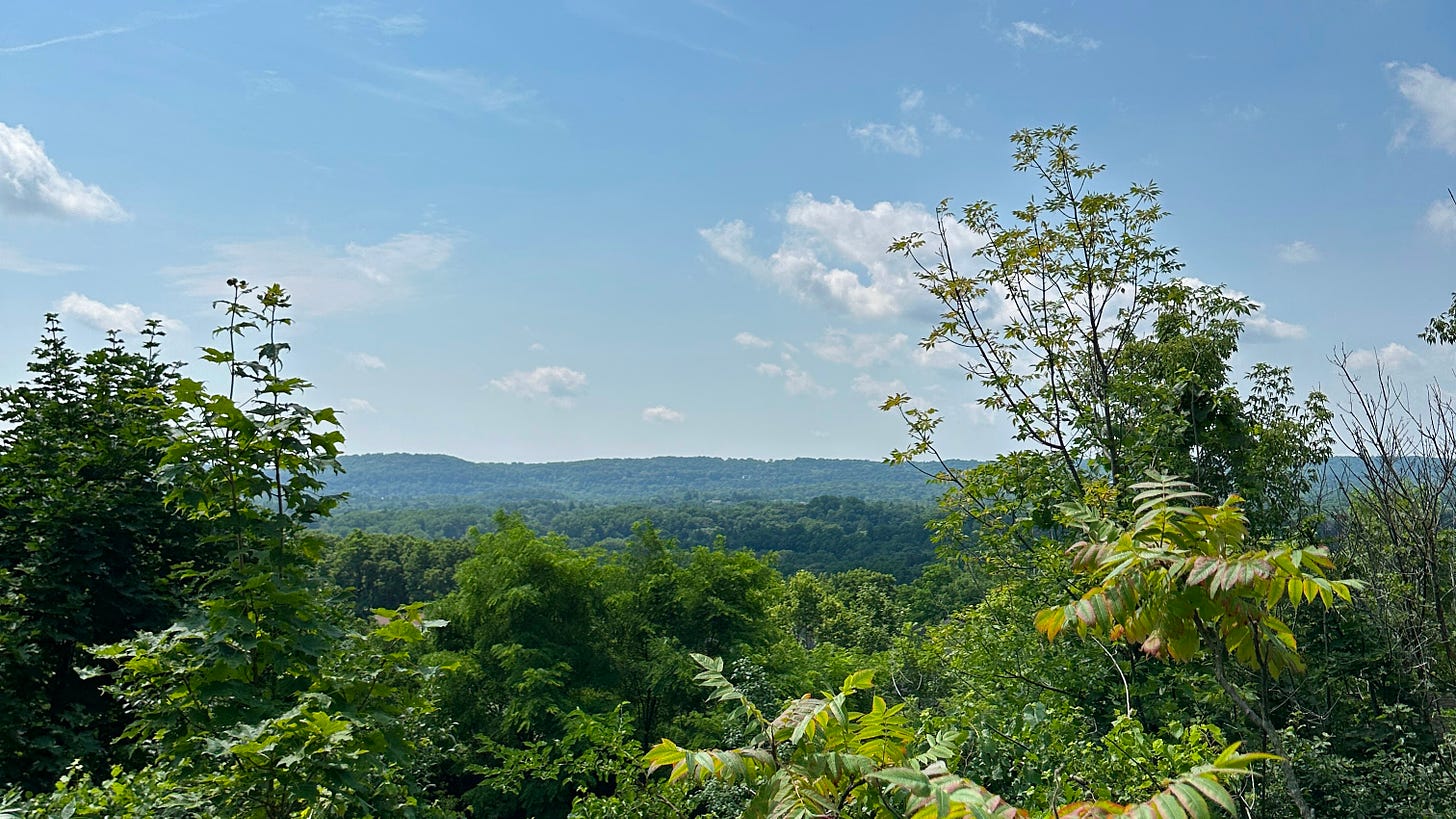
(89, 553)
(1083, 331)
(266, 699)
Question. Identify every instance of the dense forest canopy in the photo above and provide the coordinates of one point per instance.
(1147, 610)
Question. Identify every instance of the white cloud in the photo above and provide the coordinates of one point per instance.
(858, 349)
(1273, 329)
(796, 381)
(30, 183)
(1392, 356)
(940, 126)
(1433, 98)
(911, 98)
(367, 15)
(1298, 252)
(833, 254)
(358, 405)
(13, 261)
(537, 347)
(747, 339)
(979, 416)
(365, 361)
(942, 356)
(322, 279)
(899, 139)
(1441, 218)
(556, 385)
(877, 391)
(1023, 32)
(127, 318)
(662, 415)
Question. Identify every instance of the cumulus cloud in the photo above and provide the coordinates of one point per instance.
(796, 381)
(30, 183)
(898, 139)
(13, 261)
(323, 279)
(1432, 97)
(747, 339)
(365, 361)
(833, 254)
(127, 318)
(556, 385)
(1392, 356)
(369, 17)
(858, 349)
(1440, 218)
(1272, 329)
(662, 415)
(1023, 33)
(1298, 252)
(911, 98)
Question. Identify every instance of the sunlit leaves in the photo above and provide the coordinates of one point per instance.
(820, 757)
(1183, 570)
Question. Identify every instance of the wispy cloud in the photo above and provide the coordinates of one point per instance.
(662, 415)
(1440, 218)
(13, 261)
(105, 31)
(30, 183)
(746, 339)
(323, 279)
(940, 126)
(876, 391)
(1432, 97)
(127, 318)
(899, 139)
(556, 385)
(368, 16)
(449, 89)
(1023, 32)
(365, 361)
(720, 9)
(796, 381)
(858, 349)
(910, 99)
(652, 27)
(1298, 252)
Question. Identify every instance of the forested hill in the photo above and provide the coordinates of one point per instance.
(388, 480)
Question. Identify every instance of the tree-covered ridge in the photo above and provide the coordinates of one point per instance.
(422, 480)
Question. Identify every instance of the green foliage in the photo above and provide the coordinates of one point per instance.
(551, 639)
(388, 571)
(266, 700)
(1180, 575)
(88, 551)
(820, 757)
(823, 534)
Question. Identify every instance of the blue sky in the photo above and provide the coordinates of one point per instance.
(563, 230)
